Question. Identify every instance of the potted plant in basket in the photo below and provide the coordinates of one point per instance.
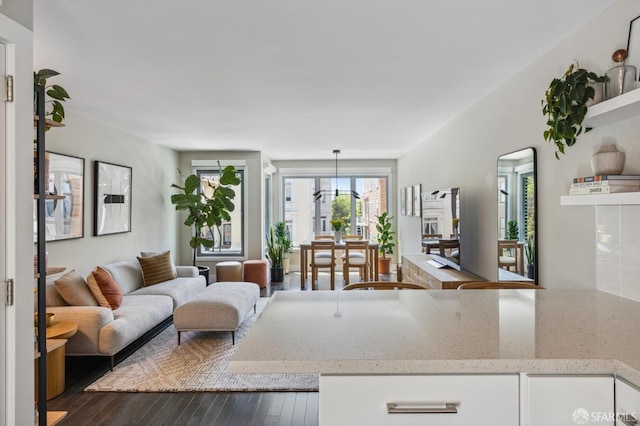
(275, 256)
(565, 106)
(208, 204)
(385, 242)
(282, 235)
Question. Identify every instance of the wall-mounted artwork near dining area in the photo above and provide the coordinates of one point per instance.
(517, 236)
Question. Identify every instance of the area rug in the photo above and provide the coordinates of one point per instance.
(199, 364)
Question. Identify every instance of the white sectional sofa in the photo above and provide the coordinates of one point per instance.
(105, 332)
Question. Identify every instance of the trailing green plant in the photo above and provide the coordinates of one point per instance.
(275, 250)
(529, 251)
(513, 233)
(385, 239)
(565, 107)
(208, 204)
(282, 234)
(56, 92)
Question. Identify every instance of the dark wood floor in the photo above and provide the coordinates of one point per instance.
(182, 408)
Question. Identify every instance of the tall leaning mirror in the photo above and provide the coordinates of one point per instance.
(517, 219)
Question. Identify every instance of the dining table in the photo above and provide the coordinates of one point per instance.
(305, 248)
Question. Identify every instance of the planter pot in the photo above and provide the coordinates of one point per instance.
(607, 160)
(530, 272)
(384, 265)
(204, 271)
(337, 235)
(277, 275)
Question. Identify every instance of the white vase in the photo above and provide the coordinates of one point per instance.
(337, 236)
(607, 160)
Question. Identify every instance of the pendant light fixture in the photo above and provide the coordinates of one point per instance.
(318, 194)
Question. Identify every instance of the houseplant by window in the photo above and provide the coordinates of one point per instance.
(282, 234)
(337, 225)
(208, 203)
(386, 242)
(275, 256)
(565, 105)
(513, 233)
(529, 253)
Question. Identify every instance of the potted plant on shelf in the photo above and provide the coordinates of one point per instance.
(385, 242)
(530, 254)
(55, 116)
(565, 106)
(513, 233)
(282, 234)
(275, 256)
(208, 204)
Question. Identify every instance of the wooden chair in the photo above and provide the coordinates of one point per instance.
(356, 255)
(426, 248)
(383, 285)
(450, 245)
(499, 285)
(323, 256)
(351, 237)
(510, 256)
(323, 237)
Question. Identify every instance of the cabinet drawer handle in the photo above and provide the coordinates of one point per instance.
(422, 407)
(628, 419)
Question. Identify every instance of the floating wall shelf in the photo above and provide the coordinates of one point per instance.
(615, 109)
(621, 198)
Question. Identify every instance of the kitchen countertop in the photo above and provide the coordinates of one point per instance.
(444, 331)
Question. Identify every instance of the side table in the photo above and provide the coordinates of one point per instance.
(56, 341)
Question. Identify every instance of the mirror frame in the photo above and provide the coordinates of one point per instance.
(536, 263)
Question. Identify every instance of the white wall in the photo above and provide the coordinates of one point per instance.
(465, 151)
(153, 223)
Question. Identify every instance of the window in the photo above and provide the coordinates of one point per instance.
(528, 206)
(308, 216)
(229, 237)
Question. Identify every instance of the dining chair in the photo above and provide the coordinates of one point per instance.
(351, 237)
(356, 255)
(499, 285)
(510, 256)
(426, 247)
(450, 245)
(323, 256)
(383, 285)
(323, 237)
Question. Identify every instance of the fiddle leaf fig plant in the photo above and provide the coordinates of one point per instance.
(565, 107)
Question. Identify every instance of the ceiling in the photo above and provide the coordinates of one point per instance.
(294, 79)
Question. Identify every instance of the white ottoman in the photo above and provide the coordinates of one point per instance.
(221, 307)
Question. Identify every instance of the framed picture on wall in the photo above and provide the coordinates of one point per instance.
(417, 205)
(403, 201)
(112, 206)
(64, 204)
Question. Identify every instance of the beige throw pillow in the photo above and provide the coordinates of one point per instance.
(104, 288)
(156, 269)
(74, 290)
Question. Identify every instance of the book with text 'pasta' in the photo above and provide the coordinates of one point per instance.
(601, 189)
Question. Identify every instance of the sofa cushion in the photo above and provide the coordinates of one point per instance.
(136, 316)
(104, 288)
(127, 273)
(155, 253)
(156, 269)
(180, 289)
(74, 290)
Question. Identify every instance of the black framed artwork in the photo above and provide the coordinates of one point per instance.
(64, 204)
(112, 203)
(633, 45)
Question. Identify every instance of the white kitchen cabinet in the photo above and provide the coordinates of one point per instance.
(627, 404)
(566, 400)
(423, 400)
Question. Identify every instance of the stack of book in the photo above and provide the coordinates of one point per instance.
(605, 184)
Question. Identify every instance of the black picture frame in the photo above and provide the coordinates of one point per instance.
(633, 45)
(64, 204)
(112, 198)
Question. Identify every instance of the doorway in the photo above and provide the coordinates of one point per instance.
(3, 233)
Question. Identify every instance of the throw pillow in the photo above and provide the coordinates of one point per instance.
(74, 290)
(155, 253)
(104, 288)
(156, 269)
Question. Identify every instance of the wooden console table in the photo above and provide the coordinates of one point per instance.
(415, 269)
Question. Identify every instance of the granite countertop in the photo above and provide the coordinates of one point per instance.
(444, 331)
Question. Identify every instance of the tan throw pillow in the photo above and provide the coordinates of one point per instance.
(104, 288)
(155, 253)
(74, 290)
(156, 269)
